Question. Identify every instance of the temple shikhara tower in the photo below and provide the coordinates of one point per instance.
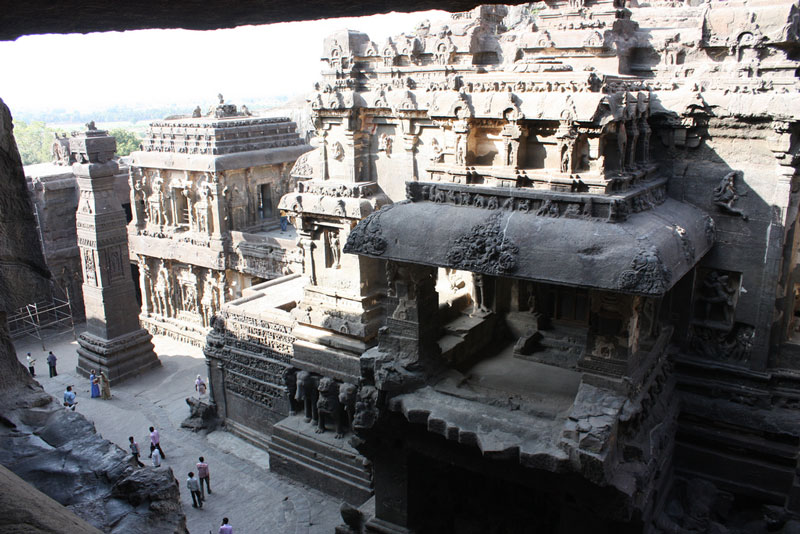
(549, 275)
(113, 342)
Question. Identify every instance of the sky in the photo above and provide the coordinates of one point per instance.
(161, 67)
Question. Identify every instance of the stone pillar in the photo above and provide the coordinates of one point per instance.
(113, 342)
(217, 200)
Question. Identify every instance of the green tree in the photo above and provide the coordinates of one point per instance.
(127, 141)
(34, 140)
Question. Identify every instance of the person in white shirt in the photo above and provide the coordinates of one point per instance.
(156, 456)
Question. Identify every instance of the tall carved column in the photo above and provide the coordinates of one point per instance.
(217, 200)
(113, 342)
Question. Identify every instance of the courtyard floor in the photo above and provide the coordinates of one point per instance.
(255, 500)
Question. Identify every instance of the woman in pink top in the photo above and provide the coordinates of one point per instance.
(225, 528)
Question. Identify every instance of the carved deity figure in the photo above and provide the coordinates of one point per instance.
(197, 112)
(436, 152)
(163, 291)
(566, 157)
(347, 400)
(290, 379)
(307, 392)
(209, 303)
(717, 295)
(461, 149)
(157, 202)
(622, 145)
(328, 406)
(337, 151)
(725, 194)
(385, 144)
(335, 248)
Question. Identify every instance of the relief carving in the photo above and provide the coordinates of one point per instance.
(367, 236)
(726, 195)
(647, 274)
(484, 249)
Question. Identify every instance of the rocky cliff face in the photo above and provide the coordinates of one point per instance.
(57, 451)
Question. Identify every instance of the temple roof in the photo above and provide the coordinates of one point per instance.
(646, 253)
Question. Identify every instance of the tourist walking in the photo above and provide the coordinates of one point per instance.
(30, 364)
(51, 363)
(200, 386)
(194, 489)
(69, 398)
(134, 447)
(156, 458)
(225, 528)
(95, 383)
(203, 474)
(155, 442)
(105, 386)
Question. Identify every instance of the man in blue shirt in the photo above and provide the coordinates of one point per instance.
(69, 398)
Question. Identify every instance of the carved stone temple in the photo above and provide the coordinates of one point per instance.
(204, 194)
(114, 341)
(549, 276)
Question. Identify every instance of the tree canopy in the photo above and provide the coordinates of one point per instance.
(127, 141)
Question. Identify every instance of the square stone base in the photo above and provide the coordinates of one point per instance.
(121, 357)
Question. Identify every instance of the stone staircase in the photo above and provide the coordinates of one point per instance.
(464, 335)
(319, 460)
(561, 344)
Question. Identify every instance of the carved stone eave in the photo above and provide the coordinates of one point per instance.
(645, 254)
(341, 200)
(209, 163)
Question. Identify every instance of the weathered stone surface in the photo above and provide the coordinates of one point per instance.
(24, 276)
(25, 510)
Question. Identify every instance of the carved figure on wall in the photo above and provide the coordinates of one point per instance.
(91, 273)
(157, 202)
(197, 112)
(147, 283)
(337, 151)
(647, 274)
(163, 291)
(437, 154)
(367, 410)
(210, 300)
(735, 346)
(725, 194)
(290, 379)
(334, 246)
(461, 149)
(622, 145)
(633, 136)
(566, 157)
(328, 406)
(307, 392)
(347, 401)
(717, 297)
(385, 144)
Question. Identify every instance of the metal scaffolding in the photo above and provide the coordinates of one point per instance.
(42, 319)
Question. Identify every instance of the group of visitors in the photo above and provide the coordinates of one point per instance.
(100, 385)
(195, 485)
(51, 363)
